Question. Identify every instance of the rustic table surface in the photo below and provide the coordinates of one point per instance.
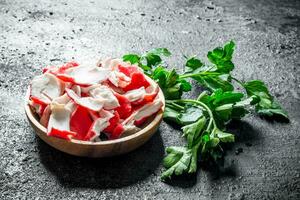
(34, 34)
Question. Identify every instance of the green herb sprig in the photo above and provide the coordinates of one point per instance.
(203, 120)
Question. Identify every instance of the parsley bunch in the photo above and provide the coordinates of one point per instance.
(203, 120)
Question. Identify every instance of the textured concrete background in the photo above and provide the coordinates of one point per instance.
(38, 33)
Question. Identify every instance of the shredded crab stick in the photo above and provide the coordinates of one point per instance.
(87, 102)
(45, 87)
(136, 94)
(80, 123)
(59, 122)
(141, 114)
(97, 127)
(37, 107)
(45, 116)
(82, 101)
(106, 95)
(84, 75)
(142, 96)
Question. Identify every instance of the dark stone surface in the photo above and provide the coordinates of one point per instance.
(38, 33)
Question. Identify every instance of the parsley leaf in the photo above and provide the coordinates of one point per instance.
(216, 76)
(182, 115)
(221, 57)
(177, 161)
(267, 106)
(214, 81)
(132, 58)
(152, 59)
(171, 114)
(170, 83)
(223, 136)
(235, 110)
(160, 52)
(227, 105)
(190, 114)
(192, 131)
(148, 60)
(192, 64)
(219, 97)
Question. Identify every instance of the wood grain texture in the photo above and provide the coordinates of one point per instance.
(102, 148)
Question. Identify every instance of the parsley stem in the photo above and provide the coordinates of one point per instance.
(201, 95)
(238, 81)
(212, 120)
(177, 106)
(199, 74)
(209, 124)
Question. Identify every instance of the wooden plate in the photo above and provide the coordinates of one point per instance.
(102, 148)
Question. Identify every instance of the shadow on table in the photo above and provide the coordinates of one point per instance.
(124, 170)
(114, 172)
(244, 132)
(225, 168)
(245, 136)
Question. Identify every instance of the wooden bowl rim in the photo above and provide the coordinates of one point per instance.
(150, 126)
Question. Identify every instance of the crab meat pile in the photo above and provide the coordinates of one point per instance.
(83, 101)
